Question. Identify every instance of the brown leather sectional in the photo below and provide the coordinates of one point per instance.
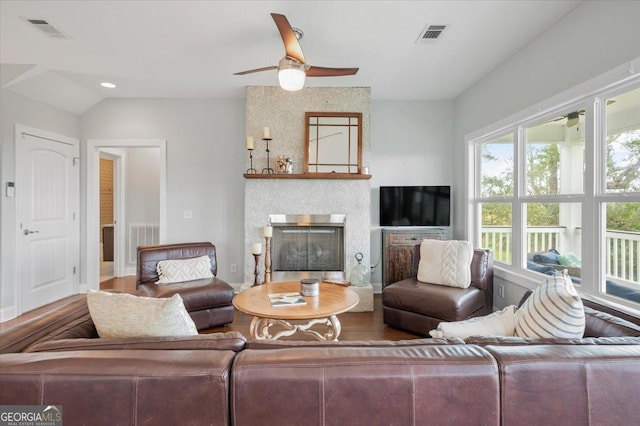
(222, 378)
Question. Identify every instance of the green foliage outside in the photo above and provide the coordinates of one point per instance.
(543, 163)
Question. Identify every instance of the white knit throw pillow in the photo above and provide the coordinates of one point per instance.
(554, 309)
(445, 263)
(125, 315)
(180, 270)
(500, 323)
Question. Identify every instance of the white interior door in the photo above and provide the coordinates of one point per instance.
(47, 188)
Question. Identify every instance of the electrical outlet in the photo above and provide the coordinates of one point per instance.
(501, 290)
(234, 268)
(187, 214)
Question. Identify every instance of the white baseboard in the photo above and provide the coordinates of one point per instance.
(7, 313)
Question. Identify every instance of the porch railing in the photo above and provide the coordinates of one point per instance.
(622, 248)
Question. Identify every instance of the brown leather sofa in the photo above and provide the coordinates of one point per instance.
(222, 379)
(419, 307)
(208, 301)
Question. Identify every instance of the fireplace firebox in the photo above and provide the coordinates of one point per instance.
(307, 246)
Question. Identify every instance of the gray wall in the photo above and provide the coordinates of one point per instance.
(593, 38)
(205, 163)
(17, 109)
(411, 144)
(142, 191)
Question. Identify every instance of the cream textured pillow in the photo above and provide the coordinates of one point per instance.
(500, 323)
(125, 315)
(554, 309)
(180, 270)
(446, 263)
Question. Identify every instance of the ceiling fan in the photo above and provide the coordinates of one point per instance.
(574, 117)
(293, 68)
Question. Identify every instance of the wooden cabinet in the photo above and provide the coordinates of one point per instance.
(398, 251)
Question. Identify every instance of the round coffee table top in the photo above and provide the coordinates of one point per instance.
(332, 300)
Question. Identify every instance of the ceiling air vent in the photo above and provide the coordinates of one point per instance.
(47, 28)
(431, 33)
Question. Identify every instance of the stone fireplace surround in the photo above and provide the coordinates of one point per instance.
(264, 197)
(283, 112)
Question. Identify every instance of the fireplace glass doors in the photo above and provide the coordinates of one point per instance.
(300, 248)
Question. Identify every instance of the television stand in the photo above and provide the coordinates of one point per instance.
(398, 251)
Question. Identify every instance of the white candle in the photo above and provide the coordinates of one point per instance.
(268, 231)
(267, 134)
(250, 142)
(257, 248)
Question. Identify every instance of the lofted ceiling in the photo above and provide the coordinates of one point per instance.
(190, 49)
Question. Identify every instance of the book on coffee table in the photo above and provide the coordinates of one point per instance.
(287, 299)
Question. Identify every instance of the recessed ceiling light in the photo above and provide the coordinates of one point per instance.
(107, 85)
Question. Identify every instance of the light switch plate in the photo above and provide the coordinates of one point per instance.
(10, 190)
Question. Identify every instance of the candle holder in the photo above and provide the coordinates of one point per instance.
(256, 271)
(251, 169)
(267, 260)
(268, 169)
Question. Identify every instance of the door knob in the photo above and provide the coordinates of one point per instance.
(27, 232)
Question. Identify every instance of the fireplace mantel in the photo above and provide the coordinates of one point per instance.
(354, 176)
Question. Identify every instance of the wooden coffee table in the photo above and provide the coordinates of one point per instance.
(322, 309)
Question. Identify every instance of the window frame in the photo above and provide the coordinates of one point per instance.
(591, 96)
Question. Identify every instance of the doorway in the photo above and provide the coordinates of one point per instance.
(117, 149)
(112, 210)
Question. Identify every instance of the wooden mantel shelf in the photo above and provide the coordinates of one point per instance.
(354, 176)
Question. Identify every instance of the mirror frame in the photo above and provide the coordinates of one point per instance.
(307, 127)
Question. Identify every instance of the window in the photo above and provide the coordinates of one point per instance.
(496, 230)
(555, 155)
(622, 185)
(556, 188)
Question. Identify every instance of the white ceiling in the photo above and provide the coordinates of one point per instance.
(169, 49)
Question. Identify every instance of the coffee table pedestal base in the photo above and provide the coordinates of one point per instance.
(260, 328)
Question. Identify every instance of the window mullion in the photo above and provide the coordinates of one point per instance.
(592, 260)
(517, 209)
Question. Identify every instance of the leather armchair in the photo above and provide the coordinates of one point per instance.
(419, 307)
(208, 301)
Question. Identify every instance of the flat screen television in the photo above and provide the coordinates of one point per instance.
(415, 205)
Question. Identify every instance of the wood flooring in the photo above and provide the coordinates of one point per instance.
(355, 325)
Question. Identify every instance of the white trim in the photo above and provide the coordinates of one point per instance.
(93, 147)
(8, 313)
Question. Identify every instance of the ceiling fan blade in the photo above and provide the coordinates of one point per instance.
(291, 46)
(273, 67)
(330, 72)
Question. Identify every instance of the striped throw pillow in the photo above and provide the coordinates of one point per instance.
(554, 309)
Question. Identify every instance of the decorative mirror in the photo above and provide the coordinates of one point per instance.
(333, 142)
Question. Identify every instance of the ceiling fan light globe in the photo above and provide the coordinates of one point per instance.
(291, 79)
